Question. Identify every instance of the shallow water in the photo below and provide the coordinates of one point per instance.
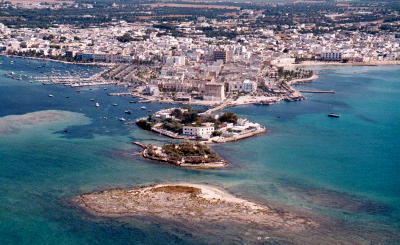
(344, 172)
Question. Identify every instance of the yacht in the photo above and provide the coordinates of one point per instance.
(97, 104)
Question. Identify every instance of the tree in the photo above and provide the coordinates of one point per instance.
(125, 38)
(177, 113)
(228, 117)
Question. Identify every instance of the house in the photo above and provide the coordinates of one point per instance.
(214, 92)
(203, 131)
(152, 90)
(249, 86)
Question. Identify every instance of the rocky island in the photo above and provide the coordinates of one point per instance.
(191, 155)
(192, 203)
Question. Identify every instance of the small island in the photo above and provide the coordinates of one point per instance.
(191, 155)
(194, 203)
(188, 124)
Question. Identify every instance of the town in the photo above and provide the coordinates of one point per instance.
(209, 61)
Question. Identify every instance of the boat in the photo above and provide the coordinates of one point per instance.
(122, 119)
(91, 99)
(67, 97)
(128, 112)
(333, 115)
(143, 108)
(115, 104)
(132, 101)
(50, 95)
(97, 104)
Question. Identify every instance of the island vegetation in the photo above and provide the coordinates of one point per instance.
(186, 154)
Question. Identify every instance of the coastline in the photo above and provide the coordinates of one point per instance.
(54, 60)
(371, 63)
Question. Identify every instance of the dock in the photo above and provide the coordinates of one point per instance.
(119, 94)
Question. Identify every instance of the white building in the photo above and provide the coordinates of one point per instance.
(152, 90)
(332, 56)
(204, 131)
(249, 86)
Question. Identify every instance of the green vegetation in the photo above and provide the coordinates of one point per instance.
(229, 117)
(173, 126)
(190, 152)
(126, 38)
(144, 124)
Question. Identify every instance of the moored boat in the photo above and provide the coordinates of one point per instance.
(333, 115)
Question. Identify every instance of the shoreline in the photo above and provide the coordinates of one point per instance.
(54, 60)
(370, 63)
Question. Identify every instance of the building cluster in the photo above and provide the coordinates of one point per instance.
(195, 65)
(208, 129)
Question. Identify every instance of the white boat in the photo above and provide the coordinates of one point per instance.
(122, 119)
(50, 95)
(115, 104)
(143, 108)
(97, 104)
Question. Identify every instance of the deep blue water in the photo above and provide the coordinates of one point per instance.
(344, 169)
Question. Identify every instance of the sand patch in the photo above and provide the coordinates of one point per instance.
(15, 123)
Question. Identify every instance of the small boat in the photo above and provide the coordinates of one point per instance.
(67, 97)
(105, 88)
(115, 104)
(132, 101)
(91, 99)
(97, 104)
(128, 112)
(333, 115)
(143, 108)
(122, 119)
(50, 95)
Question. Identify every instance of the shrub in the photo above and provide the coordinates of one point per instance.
(228, 117)
(144, 124)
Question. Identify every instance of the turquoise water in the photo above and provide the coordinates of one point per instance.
(343, 172)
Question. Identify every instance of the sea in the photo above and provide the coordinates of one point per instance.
(342, 172)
